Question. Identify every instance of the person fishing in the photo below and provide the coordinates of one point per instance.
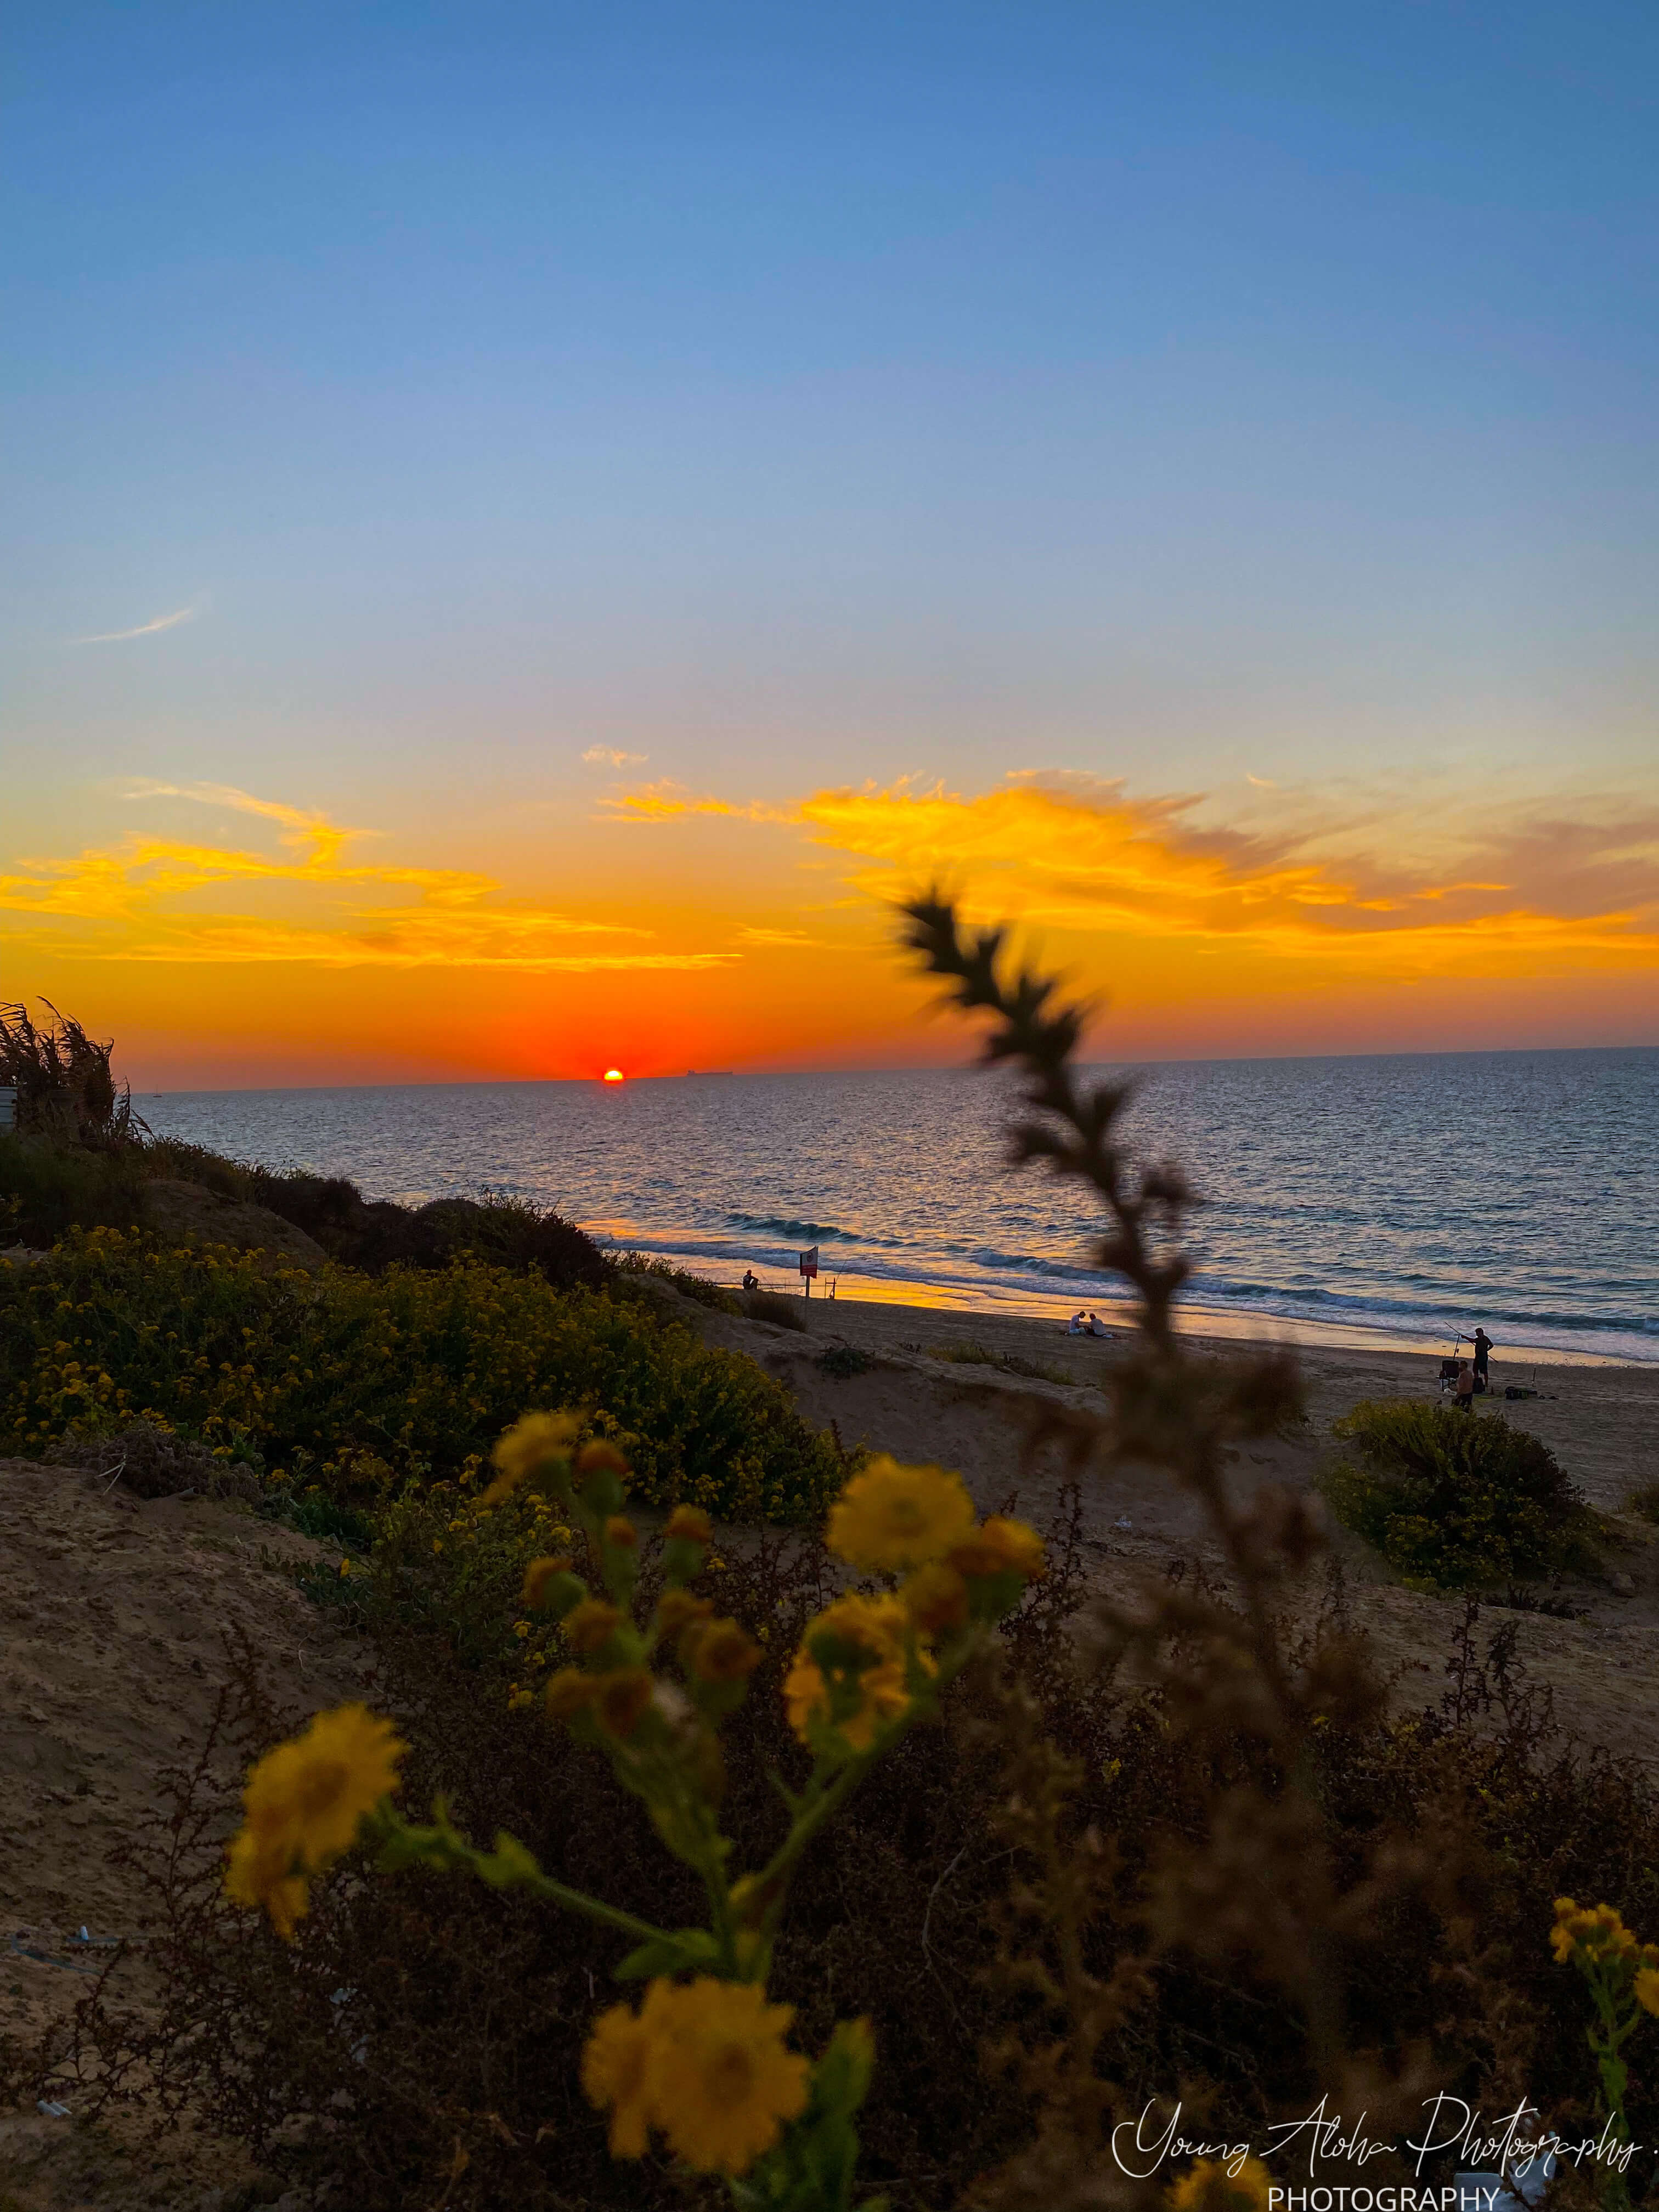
(1482, 1354)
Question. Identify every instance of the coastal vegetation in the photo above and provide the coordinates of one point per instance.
(1457, 1500)
(1025, 1861)
(362, 1384)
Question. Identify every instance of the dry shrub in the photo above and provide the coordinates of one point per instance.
(154, 1462)
(418, 2019)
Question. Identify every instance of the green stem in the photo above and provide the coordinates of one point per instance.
(446, 1846)
(817, 1810)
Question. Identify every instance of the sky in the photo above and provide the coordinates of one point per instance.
(532, 525)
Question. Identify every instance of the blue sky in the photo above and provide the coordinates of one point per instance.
(799, 394)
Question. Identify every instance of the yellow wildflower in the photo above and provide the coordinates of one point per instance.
(677, 1609)
(1001, 1546)
(529, 1444)
(537, 1576)
(620, 1699)
(1647, 1988)
(590, 1625)
(620, 1531)
(718, 2081)
(691, 1523)
(1208, 2187)
(893, 1518)
(302, 1806)
(936, 1598)
(600, 1457)
(568, 1692)
(870, 1633)
(722, 1651)
(615, 2070)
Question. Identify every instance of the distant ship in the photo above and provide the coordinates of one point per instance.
(711, 1071)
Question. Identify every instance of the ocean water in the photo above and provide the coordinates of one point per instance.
(1388, 1199)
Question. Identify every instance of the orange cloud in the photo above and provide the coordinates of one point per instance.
(1287, 925)
(151, 899)
(1078, 855)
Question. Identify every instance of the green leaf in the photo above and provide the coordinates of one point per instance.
(510, 1863)
(678, 1953)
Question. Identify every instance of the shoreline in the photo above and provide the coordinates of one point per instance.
(1203, 1325)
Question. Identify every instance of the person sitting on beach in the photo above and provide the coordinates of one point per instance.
(1465, 1387)
(1482, 1354)
(751, 1279)
(1074, 1327)
(1092, 1327)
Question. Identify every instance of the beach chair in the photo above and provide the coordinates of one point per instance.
(1449, 1374)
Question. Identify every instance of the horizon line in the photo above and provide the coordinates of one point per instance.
(923, 1067)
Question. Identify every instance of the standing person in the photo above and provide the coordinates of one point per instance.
(1482, 1354)
(1465, 1387)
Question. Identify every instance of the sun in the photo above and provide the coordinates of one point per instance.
(613, 1075)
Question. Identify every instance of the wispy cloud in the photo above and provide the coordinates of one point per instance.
(161, 899)
(143, 629)
(608, 756)
(668, 802)
(1540, 893)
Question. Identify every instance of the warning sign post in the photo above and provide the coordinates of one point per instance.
(809, 1268)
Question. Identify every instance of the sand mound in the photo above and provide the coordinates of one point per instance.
(190, 1213)
(113, 1616)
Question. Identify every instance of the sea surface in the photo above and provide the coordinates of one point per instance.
(1396, 1199)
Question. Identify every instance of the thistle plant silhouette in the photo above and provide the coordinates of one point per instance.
(1263, 1883)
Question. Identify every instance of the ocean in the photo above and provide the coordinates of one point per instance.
(1396, 1199)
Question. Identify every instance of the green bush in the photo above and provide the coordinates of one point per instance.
(967, 1354)
(47, 1188)
(1643, 1502)
(844, 1361)
(773, 1306)
(632, 1269)
(1453, 1499)
(363, 1383)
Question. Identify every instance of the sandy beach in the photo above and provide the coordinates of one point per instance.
(1601, 1421)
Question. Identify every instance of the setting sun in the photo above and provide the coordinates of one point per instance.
(613, 1075)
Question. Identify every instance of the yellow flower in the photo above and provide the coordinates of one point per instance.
(620, 1531)
(537, 1576)
(936, 1598)
(614, 2070)
(691, 1523)
(302, 1806)
(1001, 1546)
(590, 1625)
(1208, 2187)
(722, 1651)
(861, 1640)
(568, 1692)
(718, 2081)
(893, 1518)
(677, 1609)
(1647, 1988)
(529, 1444)
(600, 1457)
(620, 1699)
(1593, 1937)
